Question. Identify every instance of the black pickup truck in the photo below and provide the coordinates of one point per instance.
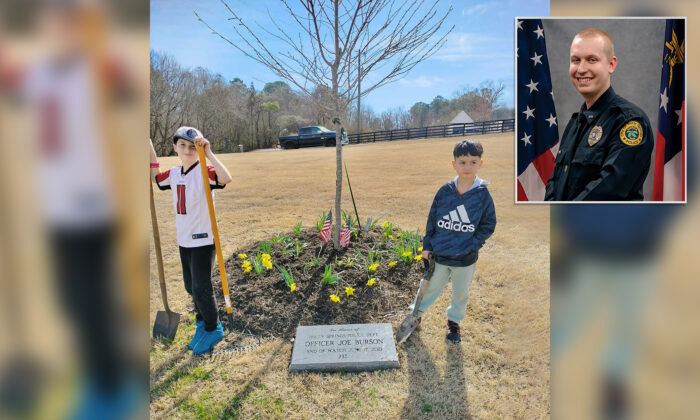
(310, 136)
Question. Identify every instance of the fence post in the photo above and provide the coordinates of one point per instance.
(391, 135)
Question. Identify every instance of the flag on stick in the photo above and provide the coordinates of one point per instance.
(326, 229)
(538, 130)
(669, 162)
(345, 234)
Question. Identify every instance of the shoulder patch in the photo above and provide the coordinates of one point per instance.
(631, 134)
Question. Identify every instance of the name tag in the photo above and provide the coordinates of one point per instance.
(200, 235)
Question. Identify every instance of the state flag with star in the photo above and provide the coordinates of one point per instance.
(537, 125)
(669, 162)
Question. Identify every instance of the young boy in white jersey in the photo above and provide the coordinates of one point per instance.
(193, 225)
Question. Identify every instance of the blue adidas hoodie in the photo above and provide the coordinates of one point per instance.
(459, 224)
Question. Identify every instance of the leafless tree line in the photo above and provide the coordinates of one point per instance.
(233, 112)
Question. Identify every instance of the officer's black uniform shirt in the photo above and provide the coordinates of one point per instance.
(604, 154)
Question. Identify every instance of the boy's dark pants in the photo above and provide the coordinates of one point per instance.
(196, 271)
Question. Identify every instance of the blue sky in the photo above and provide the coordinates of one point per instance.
(479, 48)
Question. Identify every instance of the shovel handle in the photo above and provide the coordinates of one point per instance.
(215, 232)
(427, 274)
(159, 252)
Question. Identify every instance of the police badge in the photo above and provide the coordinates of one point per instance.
(595, 135)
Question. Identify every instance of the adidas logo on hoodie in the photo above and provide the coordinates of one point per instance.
(457, 220)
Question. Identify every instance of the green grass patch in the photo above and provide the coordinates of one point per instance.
(202, 407)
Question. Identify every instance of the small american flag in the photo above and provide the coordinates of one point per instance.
(326, 229)
(345, 234)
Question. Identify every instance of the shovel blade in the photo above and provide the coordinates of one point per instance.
(166, 324)
(407, 326)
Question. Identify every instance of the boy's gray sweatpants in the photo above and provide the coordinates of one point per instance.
(461, 280)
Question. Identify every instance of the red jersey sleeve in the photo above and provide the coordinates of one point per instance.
(163, 180)
(213, 179)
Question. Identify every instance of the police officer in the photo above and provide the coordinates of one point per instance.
(605, 152)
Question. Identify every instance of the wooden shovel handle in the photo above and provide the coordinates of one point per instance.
(214, 228)
(159, 252)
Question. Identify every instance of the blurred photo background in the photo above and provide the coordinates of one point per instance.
(74, 229)
(624, 279)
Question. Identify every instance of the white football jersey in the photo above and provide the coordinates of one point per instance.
(191, 212)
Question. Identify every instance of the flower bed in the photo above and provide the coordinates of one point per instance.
(373, 280)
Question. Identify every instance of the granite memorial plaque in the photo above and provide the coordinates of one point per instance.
(344, 347)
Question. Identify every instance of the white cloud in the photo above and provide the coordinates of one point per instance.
(461, 46)
(421, 81)
(475, 10)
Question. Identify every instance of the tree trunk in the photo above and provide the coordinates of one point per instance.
(338, 182)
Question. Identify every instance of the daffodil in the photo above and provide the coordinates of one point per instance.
(418, 257)
(267, 264)
(248, 269)
(385, 234)
(407, 254)
(371, 281)
(420, 248)
(392, 263)
(335, 298)
(292, 287)
(266, 257)
(373, 267)
(398, 235)
(349, 291)
(242, 256)
(385, 224)
(245, 265)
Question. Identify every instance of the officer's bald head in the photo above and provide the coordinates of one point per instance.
(608, 46)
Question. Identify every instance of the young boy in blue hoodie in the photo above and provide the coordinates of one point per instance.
(461, 218)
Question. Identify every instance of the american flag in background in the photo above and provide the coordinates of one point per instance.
(345, 234)
(537, 120)
(326, 229)
(669, 163)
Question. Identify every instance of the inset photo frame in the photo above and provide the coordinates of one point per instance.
(601, 107)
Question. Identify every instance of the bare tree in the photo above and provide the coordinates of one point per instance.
(393, 36)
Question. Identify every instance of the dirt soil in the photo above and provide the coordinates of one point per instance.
(263, 305)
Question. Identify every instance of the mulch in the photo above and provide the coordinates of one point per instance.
(263, 304)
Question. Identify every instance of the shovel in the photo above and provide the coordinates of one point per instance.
(215, 232)
(167, 320)
(411, 321)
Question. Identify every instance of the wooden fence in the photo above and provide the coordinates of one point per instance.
(448, 130)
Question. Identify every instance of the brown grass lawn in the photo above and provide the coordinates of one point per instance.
(501, 369)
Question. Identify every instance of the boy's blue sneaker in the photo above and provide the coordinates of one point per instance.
(453, 335)
(197, 334)
(209, 340)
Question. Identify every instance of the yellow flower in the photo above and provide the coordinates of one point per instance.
(267, 264)
(247, 269)
(420, 249)
(418, 257)
(392, 263)
(385, 224)
(398, 235)
(242, 256)
(335, 299)
(349, 291)
(407, 254)
(245, 264)
(292, 287)
(372, 268)
(266, 257)
(385, 234)
(371, 281)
